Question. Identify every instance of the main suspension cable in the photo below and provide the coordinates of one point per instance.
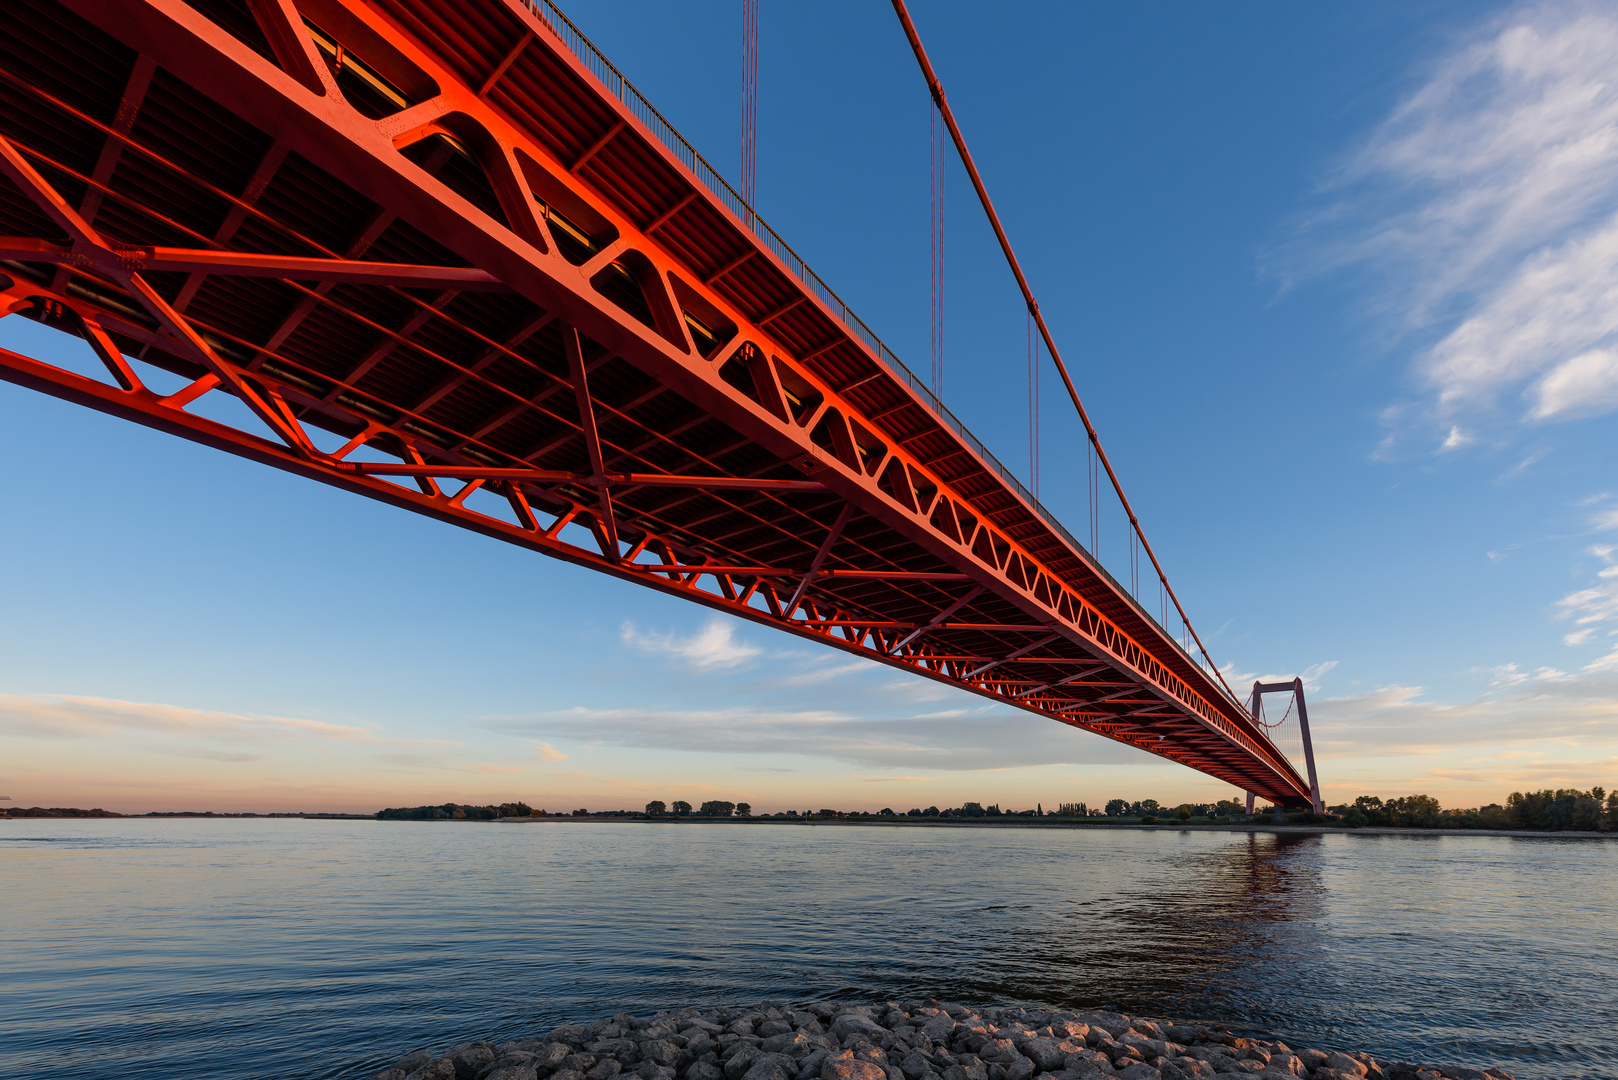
(936, 89)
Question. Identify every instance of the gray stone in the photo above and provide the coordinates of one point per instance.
(1020, 1069)
(627, 1051)
(772, 1027)
(1114, 1024)
(851, 1024)
(1344, 1064)
(471, 1058)
(511, 1072)
(649, 1070)
(964, 1071)
(412, 1061)
(1049, 1054)
(605, 1069)
(772, 1067)
(659, 1052)
(579, 1063)
(438, 1069)
(915, 1066)
(938, 1028)
(702, 1070)
(737, 1064)
(389, 1074)
(1139, 1072)
(809, 1064)
(794, 1044)
(851, 1068)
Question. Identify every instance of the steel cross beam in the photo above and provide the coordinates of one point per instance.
(541, 320)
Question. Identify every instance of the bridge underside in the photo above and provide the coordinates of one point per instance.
(442, 264)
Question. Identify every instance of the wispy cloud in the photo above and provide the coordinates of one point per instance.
(67, 715)
(1595, 605)
(966, 740)
(1488, 200)
(713, 647)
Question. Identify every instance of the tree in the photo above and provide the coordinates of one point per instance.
(1184, 812)
(970, 809)
(744, 809)
(655, 808)
(581, 813)
(716, 808)
(681, 808)
(886, 811)
(1117, 808)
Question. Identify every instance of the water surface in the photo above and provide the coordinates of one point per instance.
(231, 949)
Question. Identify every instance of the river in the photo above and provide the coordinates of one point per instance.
(243, 948)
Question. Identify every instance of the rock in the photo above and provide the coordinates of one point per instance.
(649, 1070)
(659, 1052)
(627, 1051)
(471, 1058)
(773, 1027)
(1003, 1051)
(737, 1064)
(794, 1044)
(809, 1064)
(772, 1067)
(963, 1071)
(1020, 1069)
(437, 1069)
(1142, 1071)
(605, 1069)
(511, 1072)
(938, 1027)
(1344, 1064)
(579, 1063)
(1048, 1054)
(851, 1024)
(701, 1070)
(412, 1061)
(850, 1068)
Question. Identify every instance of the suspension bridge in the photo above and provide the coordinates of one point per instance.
(446, 256)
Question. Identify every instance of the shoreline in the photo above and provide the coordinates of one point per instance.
(1029, 823)
(888, 823)
(913, 1040)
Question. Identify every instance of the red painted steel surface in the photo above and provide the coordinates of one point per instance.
(448, 269)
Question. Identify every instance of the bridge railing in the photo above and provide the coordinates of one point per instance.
(644, 111)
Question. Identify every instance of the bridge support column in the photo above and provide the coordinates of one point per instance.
(1295, 687)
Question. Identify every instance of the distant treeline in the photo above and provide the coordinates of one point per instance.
(1558, 810)
(458, 812)
(55, 811)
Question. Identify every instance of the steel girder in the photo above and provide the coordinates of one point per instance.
(724, 437)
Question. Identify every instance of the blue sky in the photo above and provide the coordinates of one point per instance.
(1339, 285)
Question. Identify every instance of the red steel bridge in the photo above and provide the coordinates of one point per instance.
(449, 259)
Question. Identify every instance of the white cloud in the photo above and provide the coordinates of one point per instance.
(547, 754)
(1242, 681)
(1489, 199)
(713, 647)
(70, 715)
(961, 740)
(1595, 605)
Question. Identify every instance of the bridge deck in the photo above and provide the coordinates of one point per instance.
(447, 266)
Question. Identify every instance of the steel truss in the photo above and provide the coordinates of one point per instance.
(446, 268)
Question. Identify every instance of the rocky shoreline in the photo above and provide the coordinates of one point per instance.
(892, 1041)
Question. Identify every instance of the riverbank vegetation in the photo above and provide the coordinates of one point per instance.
(1550, 810)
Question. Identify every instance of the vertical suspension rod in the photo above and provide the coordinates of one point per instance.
(936, 88)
